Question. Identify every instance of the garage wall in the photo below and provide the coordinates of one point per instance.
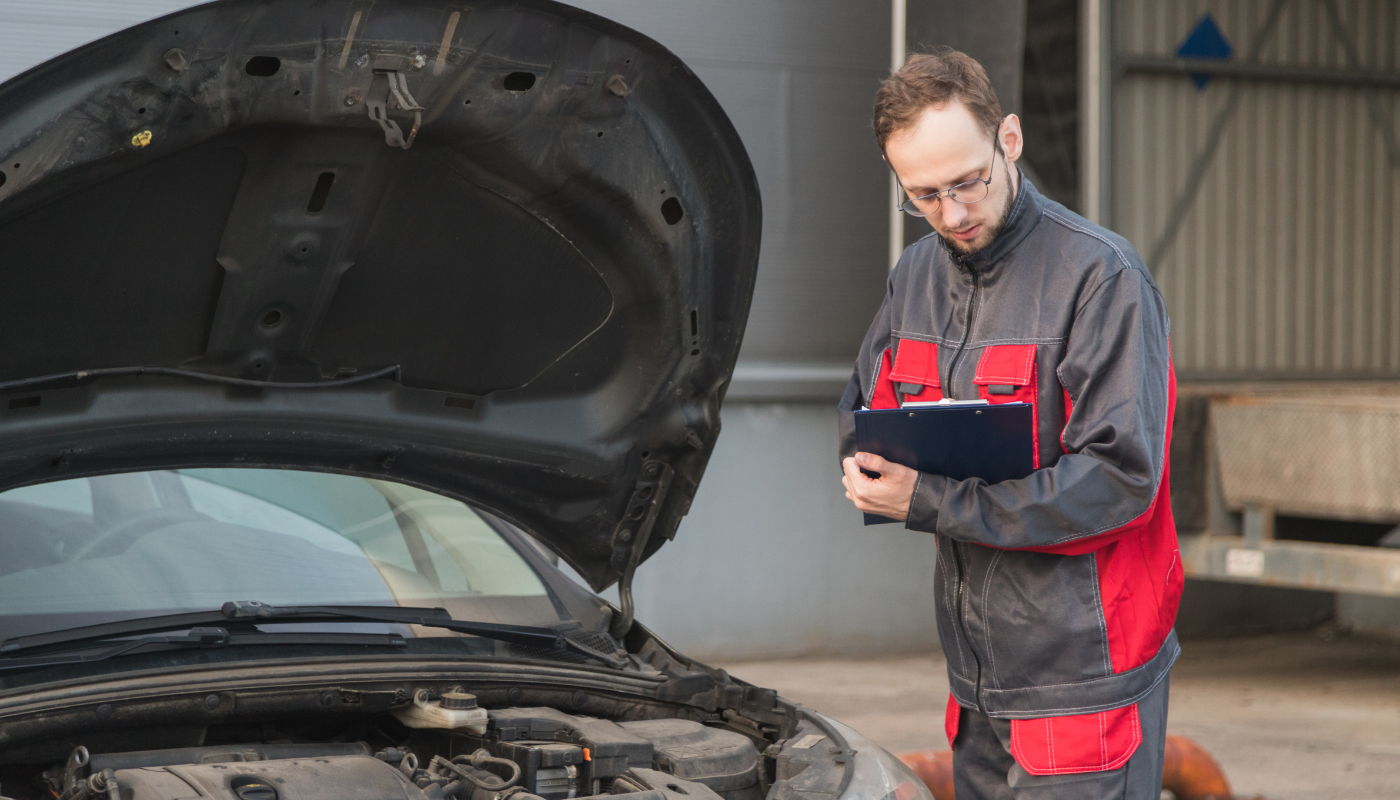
(773, 560)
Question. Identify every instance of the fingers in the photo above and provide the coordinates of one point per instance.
(872, 462)
(855, 482)
(854, 477)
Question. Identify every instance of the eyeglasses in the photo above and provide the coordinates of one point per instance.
(969, 192)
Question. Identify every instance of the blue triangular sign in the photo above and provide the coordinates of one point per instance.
(1205, 41)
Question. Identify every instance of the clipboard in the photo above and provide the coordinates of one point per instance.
(960, 441)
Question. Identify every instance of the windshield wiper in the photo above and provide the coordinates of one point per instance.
(251, 612)
(99, 648)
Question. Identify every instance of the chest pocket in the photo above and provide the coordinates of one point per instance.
(915, 371)
(1006, 373)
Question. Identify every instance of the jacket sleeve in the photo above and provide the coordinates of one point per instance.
(1117, 371)
(867, 368)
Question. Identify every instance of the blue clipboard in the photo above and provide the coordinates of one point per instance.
(991, 442)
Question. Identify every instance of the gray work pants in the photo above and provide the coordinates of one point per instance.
(983, 768)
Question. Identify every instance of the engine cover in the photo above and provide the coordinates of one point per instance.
(357, 777)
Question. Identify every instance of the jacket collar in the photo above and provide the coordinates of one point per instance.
(1025, 213)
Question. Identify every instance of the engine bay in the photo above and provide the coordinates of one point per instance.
(440, 746)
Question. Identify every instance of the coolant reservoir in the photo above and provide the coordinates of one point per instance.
(454, 710)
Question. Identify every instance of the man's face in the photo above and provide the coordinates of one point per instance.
(944, 148)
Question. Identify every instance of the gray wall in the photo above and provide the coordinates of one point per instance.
(798, 78)
(773, 560)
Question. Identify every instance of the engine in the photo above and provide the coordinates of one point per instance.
(515, 754)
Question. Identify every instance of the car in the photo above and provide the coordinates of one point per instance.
(330, 328)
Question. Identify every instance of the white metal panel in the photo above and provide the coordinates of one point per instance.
(1288, 261)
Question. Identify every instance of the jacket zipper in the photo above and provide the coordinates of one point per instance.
(958, 546)
(967, 331)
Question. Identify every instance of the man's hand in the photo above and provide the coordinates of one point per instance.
(888, 495)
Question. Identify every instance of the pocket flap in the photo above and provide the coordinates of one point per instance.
(1006, 364)
(951, 716)
(1083, 743)
(916, 362)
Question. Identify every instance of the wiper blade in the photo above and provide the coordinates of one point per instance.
(93, 650)
(250, 612)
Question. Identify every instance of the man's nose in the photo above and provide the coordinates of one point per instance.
(954, 213)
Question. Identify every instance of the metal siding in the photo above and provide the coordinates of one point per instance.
(1264, 278)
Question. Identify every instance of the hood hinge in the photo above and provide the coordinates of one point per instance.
(630, 538)
(390, 81)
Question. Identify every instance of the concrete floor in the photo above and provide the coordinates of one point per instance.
(1305, 716)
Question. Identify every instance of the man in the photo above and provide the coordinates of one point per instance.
(1056, 593)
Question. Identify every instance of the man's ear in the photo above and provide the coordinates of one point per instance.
(1011, 140)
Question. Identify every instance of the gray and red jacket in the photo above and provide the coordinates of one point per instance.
(1057, 592)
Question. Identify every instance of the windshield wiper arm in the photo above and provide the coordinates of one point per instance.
(252, 612)
(195, 638)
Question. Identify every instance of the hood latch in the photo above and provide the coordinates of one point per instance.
(630, 538)
(389, 81)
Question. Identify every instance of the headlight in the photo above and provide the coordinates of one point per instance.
(878, 774)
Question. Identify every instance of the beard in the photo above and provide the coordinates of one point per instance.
(961, 250)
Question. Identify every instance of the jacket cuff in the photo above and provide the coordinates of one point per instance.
(923, 507)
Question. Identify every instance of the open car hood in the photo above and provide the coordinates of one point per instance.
(503, 251)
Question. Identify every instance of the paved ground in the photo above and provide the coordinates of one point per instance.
(1307, 716)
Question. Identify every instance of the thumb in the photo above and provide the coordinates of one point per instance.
(871, 462)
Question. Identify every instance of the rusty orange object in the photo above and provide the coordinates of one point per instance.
(1188, 772)
(935, 769)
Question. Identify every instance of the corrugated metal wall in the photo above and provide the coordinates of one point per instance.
(1287, 263)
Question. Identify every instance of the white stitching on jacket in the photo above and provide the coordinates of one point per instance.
(1098, 706)
(986, 622)
(1124, 259)
(947, 603)
(1103, 618)
(922, 337)
(1016, 380)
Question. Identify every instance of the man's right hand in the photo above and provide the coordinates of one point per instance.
(888, 495)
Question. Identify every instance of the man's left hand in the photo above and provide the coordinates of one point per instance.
(888, 495)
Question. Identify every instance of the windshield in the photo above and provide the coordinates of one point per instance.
(89, 550)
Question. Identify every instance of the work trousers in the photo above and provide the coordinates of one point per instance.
(983, 768)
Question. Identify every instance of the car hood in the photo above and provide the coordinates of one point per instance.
(502, 251)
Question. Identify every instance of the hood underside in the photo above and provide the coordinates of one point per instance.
(502, 251)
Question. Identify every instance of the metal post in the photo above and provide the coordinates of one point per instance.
(1095, 98)
(899, 20)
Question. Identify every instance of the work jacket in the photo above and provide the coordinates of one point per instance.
(1057, 592)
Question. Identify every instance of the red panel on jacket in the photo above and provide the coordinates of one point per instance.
(1140, 576)
(916, 363)
(883, 396)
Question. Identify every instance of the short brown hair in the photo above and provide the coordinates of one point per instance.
(932, 79)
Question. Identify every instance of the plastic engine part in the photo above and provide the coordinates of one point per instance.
(328, 778)
(725, 761)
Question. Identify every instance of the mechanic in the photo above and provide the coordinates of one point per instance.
(1056, 593)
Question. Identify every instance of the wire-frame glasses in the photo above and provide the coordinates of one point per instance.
(968, 192)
